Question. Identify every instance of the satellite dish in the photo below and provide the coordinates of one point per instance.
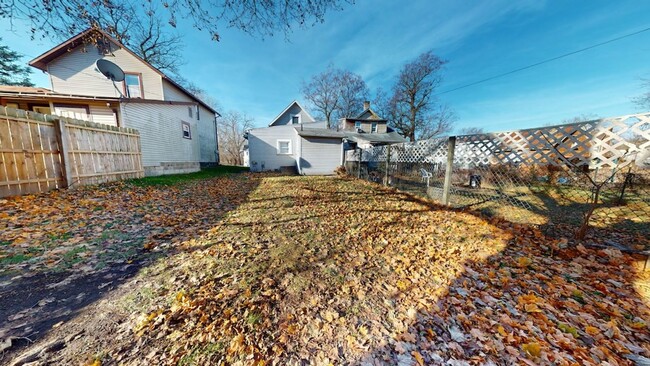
(110, 70)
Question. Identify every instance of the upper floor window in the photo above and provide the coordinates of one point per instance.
(198, 115)
(357, 125)
(373, 127)
(133, 85)
(187, 130)
(189, 111)
(295, 119)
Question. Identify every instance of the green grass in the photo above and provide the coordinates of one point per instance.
(170, 180)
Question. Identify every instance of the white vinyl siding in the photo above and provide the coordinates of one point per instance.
(206, 128)
(262, 148)
(320, 156)
(103, 114)
(74, 73)
(161, 134)
(287, 117)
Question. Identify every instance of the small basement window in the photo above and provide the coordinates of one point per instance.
(187, 130)
(284, 147)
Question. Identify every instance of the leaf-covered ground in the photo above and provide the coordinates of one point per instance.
(313, 270)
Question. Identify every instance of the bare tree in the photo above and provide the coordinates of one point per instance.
(643, 101)
(259, 18)
(335, 93)
(413, 107)
(353, 92)
(232, 128)
(582, 168)
(324, 94)
(137, 26)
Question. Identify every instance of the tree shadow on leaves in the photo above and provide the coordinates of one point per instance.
(34, 299)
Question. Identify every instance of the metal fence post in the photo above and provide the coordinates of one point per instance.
(387, 164)
(451, 147)
(64, 148)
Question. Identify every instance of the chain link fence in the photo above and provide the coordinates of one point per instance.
(596, 170)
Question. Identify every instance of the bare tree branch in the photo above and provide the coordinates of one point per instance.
(335, 93)
(412, 108)
(232, 128)
(259, 18)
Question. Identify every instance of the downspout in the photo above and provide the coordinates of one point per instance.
(216, 138)
(299, 148)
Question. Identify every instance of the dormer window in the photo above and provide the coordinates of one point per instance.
(373, 127)
(357, 125)
(295, 119)
(133, 85)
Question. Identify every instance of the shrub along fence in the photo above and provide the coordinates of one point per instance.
(40, 152)
(594, 172)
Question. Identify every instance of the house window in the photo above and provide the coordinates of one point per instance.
(12, 105)
(75, 111)
(189, 111)
(133, 85)
(373, 127)
(295, 119)
(357, 125)
(198, 116)
(284, 147)
(187, 130)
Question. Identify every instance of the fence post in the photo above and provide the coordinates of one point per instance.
(387, 165)
(358, 153)
(451, 147)
(64, 148)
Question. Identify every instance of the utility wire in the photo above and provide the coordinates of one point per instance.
(543, 62)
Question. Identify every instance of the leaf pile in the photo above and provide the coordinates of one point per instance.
(333, 271)
(95, 227)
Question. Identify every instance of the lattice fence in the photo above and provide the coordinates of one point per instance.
(543, 175)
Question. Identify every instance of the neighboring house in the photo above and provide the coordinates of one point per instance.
(178, 131)
(368, 130)
(295, 140)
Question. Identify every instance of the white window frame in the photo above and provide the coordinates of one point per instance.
(189, 130)
(357, 125)
(373, 127)
(299, 119)
(279, 152)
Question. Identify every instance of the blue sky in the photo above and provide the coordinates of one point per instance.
(478, 38)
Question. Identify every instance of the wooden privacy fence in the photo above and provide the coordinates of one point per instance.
(40, 152)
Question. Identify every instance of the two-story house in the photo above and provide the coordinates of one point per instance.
(178, 130)
(294, 139)
(368, 129)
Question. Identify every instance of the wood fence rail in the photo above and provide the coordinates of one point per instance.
(40, 152)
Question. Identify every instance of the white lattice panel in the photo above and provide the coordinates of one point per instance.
(605, 143)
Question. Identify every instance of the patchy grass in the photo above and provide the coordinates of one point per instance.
(174, 179)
